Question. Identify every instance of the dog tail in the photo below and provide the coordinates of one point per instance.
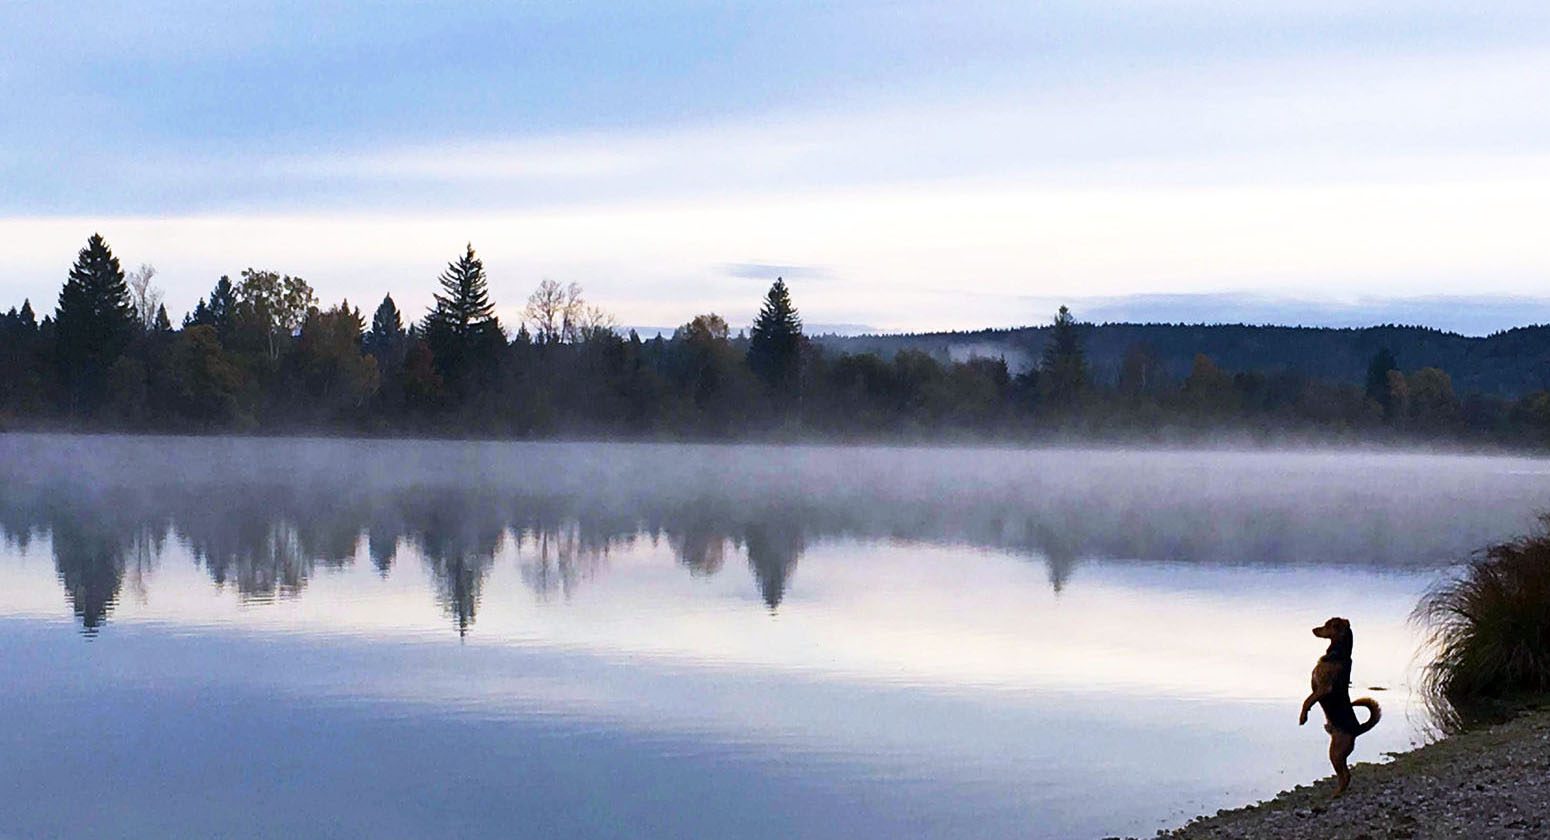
(1375, 713)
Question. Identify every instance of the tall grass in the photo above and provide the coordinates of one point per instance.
(1489, 630)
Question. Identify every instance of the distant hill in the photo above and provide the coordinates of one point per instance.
(1509, 363)
(816, 330)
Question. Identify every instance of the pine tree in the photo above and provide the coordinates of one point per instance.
(93, 324)
(1063, 369)
(387, 339)
(199, 317)
(464, 308)
(223, 307)
(357, 322)
(22, 381)
(461, 329)
(775, 347)
(162, 324)
(1378, 369)
(219, 312)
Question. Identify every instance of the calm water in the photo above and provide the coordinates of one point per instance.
(248, 638)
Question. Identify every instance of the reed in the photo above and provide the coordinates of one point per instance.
(1488, 628)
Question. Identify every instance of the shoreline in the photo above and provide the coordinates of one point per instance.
(1203, 443)
(1492, 782)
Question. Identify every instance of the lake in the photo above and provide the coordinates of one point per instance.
(252, 638)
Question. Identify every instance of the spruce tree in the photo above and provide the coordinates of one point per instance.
(199, 317)
(386, 339)
(1063, 369)
(461, 328)
(223, 307)
(162, 324)
(463, 307)
(1378, 376)
(775, 346)
(388, 342)
(357, 322)
(21, 380)
(93, 324)
(219, 312)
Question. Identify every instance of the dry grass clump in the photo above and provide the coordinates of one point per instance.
(1489, 628)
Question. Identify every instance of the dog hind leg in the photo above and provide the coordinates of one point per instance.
(1340, 747)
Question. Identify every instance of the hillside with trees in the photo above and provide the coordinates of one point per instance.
(262, 354)
(1507, 364)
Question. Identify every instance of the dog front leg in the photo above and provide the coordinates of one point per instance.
(1307, 705)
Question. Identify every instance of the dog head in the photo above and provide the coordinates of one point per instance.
(1334, 628)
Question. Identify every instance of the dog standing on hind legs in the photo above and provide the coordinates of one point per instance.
(1332, 691)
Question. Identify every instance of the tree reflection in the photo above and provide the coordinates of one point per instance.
(558, 556)
(773, 549)
(95, 540)
(267, 532)
(382, 546)
(259, 552)
(145, 550)
(457, 535)
(89, 559)
(701, 547)
(267, 540)
(459, 579)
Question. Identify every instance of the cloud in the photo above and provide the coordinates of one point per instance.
(1336, 154)
(769, 271)
(950, 255)
(544, 159)
(1460, 112)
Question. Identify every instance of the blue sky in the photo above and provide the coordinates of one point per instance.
(908, 165)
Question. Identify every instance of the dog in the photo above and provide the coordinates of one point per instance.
(1332, 691)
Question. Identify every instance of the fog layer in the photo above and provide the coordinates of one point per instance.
(261, 514)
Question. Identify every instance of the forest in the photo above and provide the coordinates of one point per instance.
(261, 355)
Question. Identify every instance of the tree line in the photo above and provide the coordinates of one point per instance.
(262, 354)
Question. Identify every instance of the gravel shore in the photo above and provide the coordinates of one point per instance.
(1489, 783)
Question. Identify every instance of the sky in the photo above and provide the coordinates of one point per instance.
(904, 165)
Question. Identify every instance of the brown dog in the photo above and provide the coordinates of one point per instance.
(1332, 691)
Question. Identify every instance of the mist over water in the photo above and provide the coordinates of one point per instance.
(609, 639)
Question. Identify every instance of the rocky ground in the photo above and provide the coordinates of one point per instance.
(1488, 783)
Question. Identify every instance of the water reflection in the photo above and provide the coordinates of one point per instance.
(89, 557)
(265, 536)
(560, 555)
(969, 643)
(773, 549)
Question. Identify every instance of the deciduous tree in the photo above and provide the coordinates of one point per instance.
(146, 297)
(555, 311)
(277, 304)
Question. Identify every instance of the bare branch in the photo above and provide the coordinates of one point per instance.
(146, 298)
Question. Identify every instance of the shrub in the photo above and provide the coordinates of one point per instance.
(1489, 627)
